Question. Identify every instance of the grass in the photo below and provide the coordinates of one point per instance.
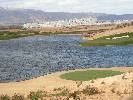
(6, 35)
(130, 34)
(103, 41)
(107, 42)
(89, 75)
(4, 97)
(11, 35)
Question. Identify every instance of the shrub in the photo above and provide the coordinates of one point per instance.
(36, 95)
(64, 92)
(102, 82)
(58, 89)
(90, 90)
(79, 83)
(4, 97)
(113, 90)
(124, 77)
(74, 95)
(130, 71)
(118, 93)
(92, 81)
(17, 97)
(125, 91)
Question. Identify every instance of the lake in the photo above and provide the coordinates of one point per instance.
(28, 57)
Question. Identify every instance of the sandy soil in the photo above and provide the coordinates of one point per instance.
(121, 85)
(80, 28)
(112, 32)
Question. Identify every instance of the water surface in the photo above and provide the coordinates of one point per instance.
(29, 57)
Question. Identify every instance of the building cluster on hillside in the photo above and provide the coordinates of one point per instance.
(73, 22)
(105, 22)
(63, 23)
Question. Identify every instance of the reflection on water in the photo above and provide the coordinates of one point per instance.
(34, 56)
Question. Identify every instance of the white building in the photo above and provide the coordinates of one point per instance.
(104, 22)
(63, 23)
(31, 25)
(121, 21)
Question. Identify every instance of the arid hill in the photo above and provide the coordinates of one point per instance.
(118, 29)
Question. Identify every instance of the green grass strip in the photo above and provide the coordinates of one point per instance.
(89, 75)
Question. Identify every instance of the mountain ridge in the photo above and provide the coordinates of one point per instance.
(21, 16)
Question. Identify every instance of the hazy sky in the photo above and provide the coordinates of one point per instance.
(100, 6)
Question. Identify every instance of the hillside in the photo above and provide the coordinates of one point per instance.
(21, 16)
(112, 32)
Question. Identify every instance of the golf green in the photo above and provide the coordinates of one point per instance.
(89, 75)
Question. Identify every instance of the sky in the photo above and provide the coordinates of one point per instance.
(98, 6)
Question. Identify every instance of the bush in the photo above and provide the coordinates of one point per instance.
(79, 83)
(64, 92)
(4, 97)
(89, 90)
(113, 90)
(74, 95)
(58, 89)
(92, 81)
(17, 97)
(102, 82)
(36, 95)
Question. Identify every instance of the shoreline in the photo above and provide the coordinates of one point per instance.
(50, 34)
(127, 29)
(47, 82)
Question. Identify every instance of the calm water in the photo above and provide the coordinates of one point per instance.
(30, 57)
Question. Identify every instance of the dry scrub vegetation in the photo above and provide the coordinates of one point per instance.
(118, 87)
(112, 88)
